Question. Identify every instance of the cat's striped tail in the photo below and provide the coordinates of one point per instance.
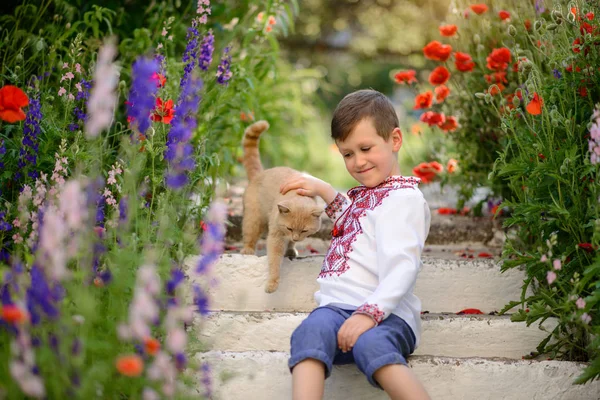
(251, 160)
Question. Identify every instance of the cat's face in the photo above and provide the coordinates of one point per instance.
(297, 222)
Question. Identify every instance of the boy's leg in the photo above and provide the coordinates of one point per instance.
(308, 380)
(313, 349)
(380, 353)
(400, 383)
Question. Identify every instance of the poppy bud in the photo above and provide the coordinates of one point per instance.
(488, 98)
(557, 17)
(480, 47)
(516, 101)
(551, 27)
(19, 57)
(50, 98)
(476, 39)
(512, 31)
(122, 85)
(480, 95)
(526, 65)
(538, 25)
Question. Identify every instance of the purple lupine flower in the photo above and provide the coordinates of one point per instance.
(539, 7)
(201, 300)
(190, 55)
(2, 151)
(4, 225)
(206, 51)
(143, 90)
(556, 73)
(177, 276)
(212, 239)
(30, 145)
(206, 380)
(180, 361)
(73, 127)
(123, 209)
(179, 151)
(224, 69)
(84, 94)
(41, 297)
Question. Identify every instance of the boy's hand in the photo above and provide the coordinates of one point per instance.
(306, 185)
(350, 331)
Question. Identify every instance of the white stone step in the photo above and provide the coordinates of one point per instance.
(442, 335)
(443, 285)
(264, 376)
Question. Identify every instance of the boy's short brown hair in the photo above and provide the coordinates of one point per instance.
(356, 106)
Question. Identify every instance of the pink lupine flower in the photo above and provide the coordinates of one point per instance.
(78, 68)
(101, 103)
(52, 236)
(164, 31)
(585, 317)
(65, 65)
(61, 91)
(557, 264)
(551, 277)
(580, 303)
(71, 97)
(176, 341)
(149, 394)
(544, 258)
(72, 205)
(78, 86)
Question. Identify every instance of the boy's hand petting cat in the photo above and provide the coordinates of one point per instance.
(351, 330)
(306, 185)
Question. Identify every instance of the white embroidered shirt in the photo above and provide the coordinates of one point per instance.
(375, 253)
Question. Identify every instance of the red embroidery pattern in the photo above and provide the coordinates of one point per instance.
(347, 228)
(372, 310)
(335, 206)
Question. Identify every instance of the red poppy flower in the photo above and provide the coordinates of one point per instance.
(586, 28)
(583, 91)
(432, 118)
(576, 43)
(590, 16)
(449, 125)
(423, 100)
(152, 346)
(130, 365)
(439, 76)
(163, 112)
(469, 311)
(13, 314)
(437, 51)
(504, 15)
(463, 62)
(160, 79)
(478, 8)
(407, 77)
(499, 59)
(535, 105)
(452, 164)
(586, 246)
(448, 30)
(527, 24)
(428, 171)
(11, 100)
(496, 77)
(484, 254)
(497, 89)
(441, 92)
(570, 69)
(446, 211)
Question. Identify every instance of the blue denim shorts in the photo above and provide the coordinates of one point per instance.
(388, 343)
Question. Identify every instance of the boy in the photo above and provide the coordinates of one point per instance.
(367, 311)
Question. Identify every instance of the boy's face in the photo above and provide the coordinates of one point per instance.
(369, 158)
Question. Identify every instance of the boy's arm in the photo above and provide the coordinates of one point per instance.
(307, 185)
(400, 234)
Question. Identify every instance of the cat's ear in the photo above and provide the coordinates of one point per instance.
(283, 208)
(317, 212)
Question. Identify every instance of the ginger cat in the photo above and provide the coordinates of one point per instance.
(289, 218)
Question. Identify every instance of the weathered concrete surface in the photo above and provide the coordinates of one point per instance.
(443, 335)
(444, 229)
(442, 286)
(265, 376)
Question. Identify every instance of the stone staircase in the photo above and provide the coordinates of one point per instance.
(246, 338)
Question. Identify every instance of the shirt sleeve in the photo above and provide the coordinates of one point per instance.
(337, 207)
(400, 233)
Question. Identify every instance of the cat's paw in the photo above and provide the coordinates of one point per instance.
(247, 251)
(272, 286)
(291, 253)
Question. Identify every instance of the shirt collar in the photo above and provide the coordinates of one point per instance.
(391, 183)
